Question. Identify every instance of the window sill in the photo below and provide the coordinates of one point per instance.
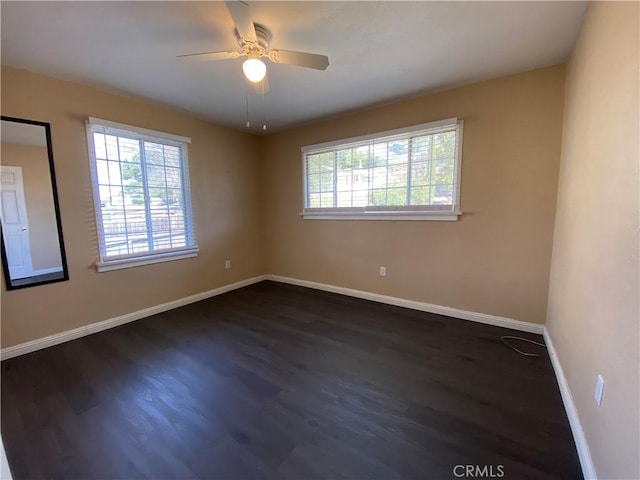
(411, 216)
(146, 260)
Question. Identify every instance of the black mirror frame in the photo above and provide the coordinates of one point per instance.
(56, 206)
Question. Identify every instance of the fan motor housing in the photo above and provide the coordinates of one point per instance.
(262, 34)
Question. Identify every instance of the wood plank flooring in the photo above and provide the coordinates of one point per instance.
(277, 381)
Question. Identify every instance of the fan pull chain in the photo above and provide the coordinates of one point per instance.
(264, 110)
(246, 101)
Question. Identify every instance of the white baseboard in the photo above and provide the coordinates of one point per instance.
(45, 271)
(62, 337)
(68, 335)
(415, 305)
(588, 469)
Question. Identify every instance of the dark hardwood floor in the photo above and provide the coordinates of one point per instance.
(277, 381)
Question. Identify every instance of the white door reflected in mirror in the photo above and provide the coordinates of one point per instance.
(15, 224)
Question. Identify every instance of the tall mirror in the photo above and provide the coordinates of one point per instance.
(32, 245)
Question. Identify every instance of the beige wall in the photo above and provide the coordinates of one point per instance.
(593, 315)
(36, 179)
(225, 194)
(494, 260)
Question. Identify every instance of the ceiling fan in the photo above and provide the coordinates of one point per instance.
(253, 40)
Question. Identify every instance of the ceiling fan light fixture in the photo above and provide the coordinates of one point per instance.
(254, 69)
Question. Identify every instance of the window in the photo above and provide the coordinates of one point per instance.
(141, 195)
(407, 174)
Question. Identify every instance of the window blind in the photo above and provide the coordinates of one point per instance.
(413, 170)
(141, 192)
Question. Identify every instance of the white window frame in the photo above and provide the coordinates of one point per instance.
(108, 263)
(432, 212)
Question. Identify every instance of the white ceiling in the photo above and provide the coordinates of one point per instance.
(378, 51)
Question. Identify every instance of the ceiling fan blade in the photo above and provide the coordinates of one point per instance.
(309, 60)
(242, 18)
(257, 87)
(210, 56)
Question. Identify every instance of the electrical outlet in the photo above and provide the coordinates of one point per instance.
(599, 389)
(383, 271)
(227, 264)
